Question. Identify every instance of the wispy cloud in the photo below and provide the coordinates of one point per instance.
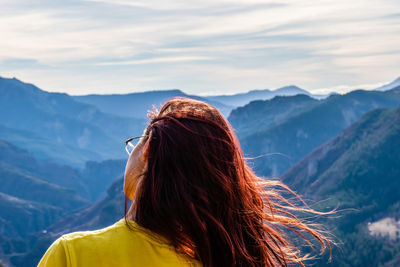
(154, 60)
(100, 46)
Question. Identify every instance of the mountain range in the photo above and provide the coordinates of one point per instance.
(98, 215)
(276, 147)
(264, 114)
(33, 195)
(242, 99)
(62, 161)
(71, 129)
(359, 172)
(29, 202)
(53, 126)
(74, 129)
(136, 105)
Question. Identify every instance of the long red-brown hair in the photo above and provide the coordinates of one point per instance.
(199, 193)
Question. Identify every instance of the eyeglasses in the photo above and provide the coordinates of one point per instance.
(131, 143)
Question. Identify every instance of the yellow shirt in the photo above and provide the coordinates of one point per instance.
(114, 245)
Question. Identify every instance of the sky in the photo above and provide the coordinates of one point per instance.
(200, 46)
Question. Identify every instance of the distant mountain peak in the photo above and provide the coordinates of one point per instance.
(166, 91)
(389, 86)
(292, 86)
(8, 84)
(257, 90)
(11, 79)
(291, 89)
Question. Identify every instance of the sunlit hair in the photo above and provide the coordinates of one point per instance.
(199, 193)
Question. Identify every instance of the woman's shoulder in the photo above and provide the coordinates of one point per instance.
(116, 228)
(116, 244)
(122, 230)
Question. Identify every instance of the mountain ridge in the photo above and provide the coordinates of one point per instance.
(299, 134)
(136, 105)
(60, 120)
(359, 171)
(263, 114)
(241, 99)
(389, 86)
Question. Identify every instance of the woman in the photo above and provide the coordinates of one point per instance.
(195, 203)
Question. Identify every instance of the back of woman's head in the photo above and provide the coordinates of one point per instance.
(199, 193)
